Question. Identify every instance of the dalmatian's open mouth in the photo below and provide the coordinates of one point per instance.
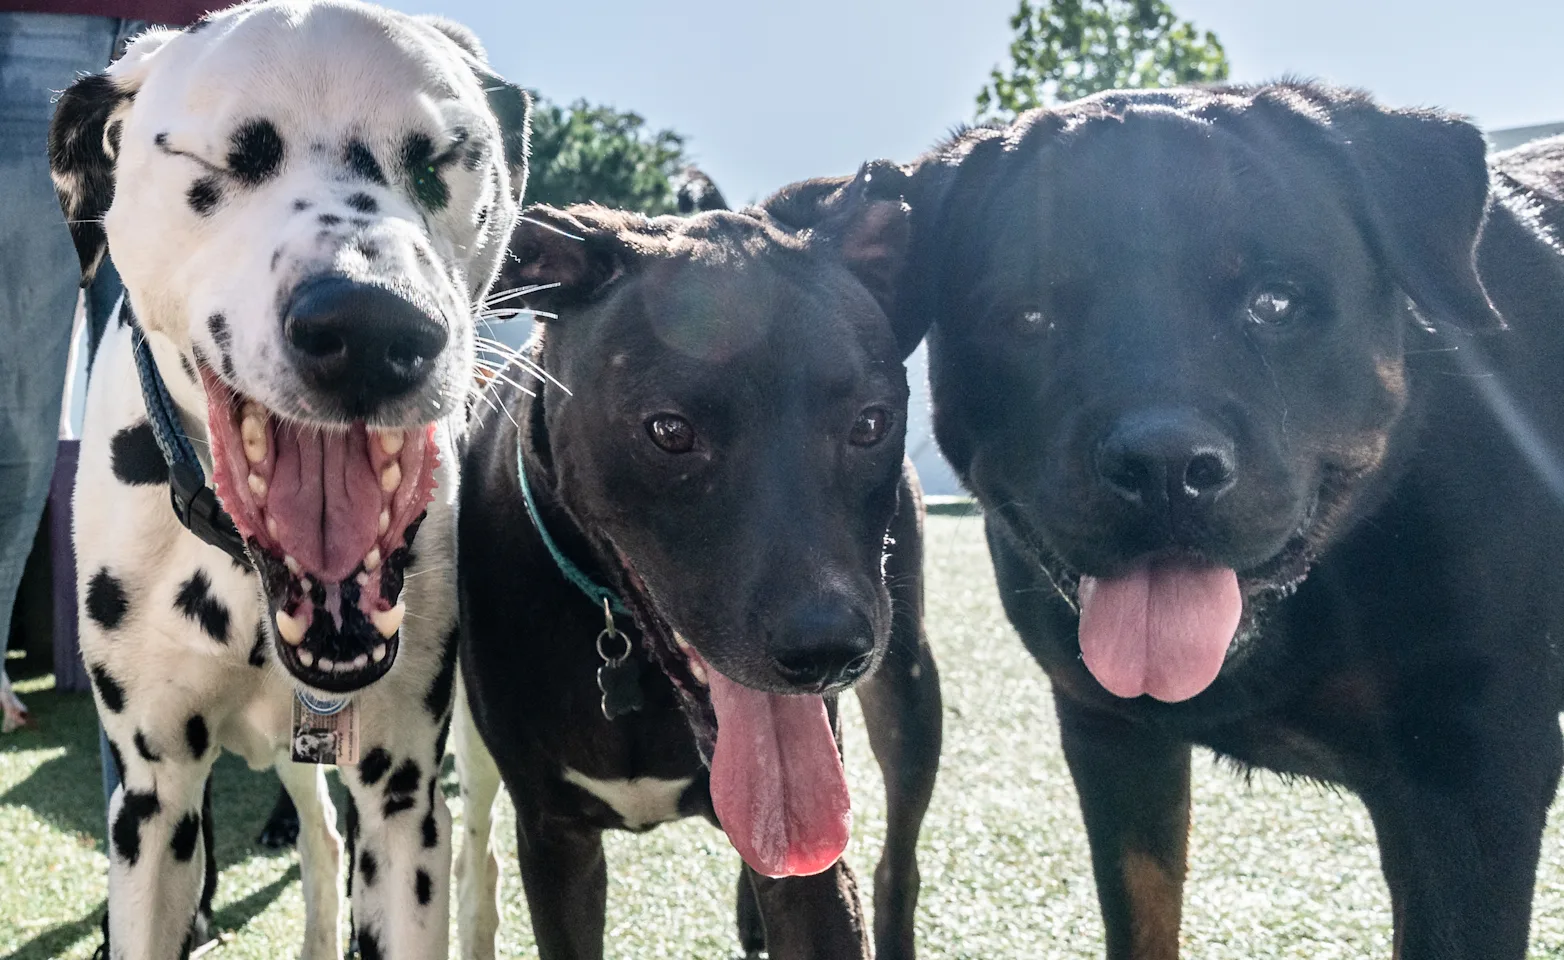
(329, 515)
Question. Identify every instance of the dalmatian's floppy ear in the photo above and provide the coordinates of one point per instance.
(84, 142)
(512, 106)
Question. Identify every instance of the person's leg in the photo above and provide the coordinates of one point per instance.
(40, 54)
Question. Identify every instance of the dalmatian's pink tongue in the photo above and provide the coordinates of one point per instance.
(1162, 629)
(777, 781)
(326, 499)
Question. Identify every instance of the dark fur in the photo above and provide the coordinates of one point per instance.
(735, 542)
(1395, 512)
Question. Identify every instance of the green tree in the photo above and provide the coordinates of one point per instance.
(1066, 49)
(594, 153)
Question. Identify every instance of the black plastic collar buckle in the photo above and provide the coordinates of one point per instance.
(197, 508)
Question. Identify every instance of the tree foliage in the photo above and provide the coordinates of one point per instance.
(594, 153)
(1066, 49)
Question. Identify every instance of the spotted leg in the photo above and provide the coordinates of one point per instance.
(320, 858)
(401, 902)
(156, 858)
(478, 865)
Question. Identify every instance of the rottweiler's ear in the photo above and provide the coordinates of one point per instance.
(867, 220)
(83, 141)
(1425, 175)
(563, 257)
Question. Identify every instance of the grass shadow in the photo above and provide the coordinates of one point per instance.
(54, 941)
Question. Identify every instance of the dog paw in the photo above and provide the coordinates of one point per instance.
(282, 827)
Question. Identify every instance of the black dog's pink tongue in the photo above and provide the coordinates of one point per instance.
(1161, 629)
(777, 781)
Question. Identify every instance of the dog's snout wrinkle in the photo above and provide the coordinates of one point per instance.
(359, 343)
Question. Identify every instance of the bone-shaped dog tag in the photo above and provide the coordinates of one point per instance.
(620, 682)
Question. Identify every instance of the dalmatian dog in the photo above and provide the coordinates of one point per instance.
(307, 202)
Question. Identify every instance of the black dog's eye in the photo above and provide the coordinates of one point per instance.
(1273, 304)
(671, 433)
(871, 427)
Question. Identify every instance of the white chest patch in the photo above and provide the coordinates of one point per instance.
(641, 802)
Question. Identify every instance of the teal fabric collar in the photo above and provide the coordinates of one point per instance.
(595, 592)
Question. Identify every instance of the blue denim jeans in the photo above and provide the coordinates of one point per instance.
(40, 55)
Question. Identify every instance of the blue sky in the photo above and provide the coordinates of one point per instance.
(772, 92)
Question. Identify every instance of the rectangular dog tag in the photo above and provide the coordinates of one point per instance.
(325, 738)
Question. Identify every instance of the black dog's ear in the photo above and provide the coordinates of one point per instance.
(867, 220)
(1425, 176)
(83, 141)
(697, 192)
(563, 257)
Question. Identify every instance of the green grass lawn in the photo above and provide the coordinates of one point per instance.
(1277, 870)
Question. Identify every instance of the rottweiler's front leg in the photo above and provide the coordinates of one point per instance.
(1459, 816)
(1134, 789)
(812, 918)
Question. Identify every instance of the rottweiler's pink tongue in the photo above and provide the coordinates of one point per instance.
(777, 781)
(1162, 629)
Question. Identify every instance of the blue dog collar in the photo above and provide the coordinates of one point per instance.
(193, 501)
(598, 594)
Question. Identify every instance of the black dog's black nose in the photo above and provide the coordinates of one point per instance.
(822, 644)
(359, 343)
(1167, 456)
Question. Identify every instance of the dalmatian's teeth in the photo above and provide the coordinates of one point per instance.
(289, 562)
(252, 431)
(290, 628)
(360, 662)
(271, 527)
(379, 653)
(372, 560)
(258, 487)
(391, 478)
(698, 672)
(385, 521)
(391, 442)
(363, 579)
(683, 644)
(388, 622)
(327, 664)
(306, 658)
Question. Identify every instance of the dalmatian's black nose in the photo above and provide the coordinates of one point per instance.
(358, 344)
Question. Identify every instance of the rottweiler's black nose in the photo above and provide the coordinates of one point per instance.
(823, 643)
(1167, 457)
(359, 344)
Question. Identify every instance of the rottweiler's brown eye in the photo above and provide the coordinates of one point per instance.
(1273, 304)
(871, 427)
(672, 433)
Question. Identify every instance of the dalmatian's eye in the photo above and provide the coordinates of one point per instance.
(671, 432)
